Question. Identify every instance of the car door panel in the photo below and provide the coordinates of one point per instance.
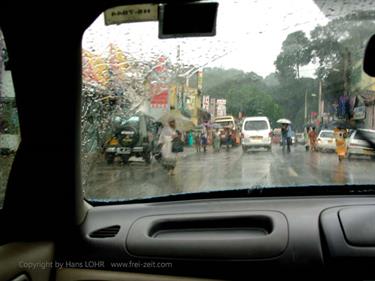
(206, 238)
(102, 275)
(31, 261)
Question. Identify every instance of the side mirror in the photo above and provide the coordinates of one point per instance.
(369, 58)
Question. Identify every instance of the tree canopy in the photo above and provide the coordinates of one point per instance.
(335, 50)
(244, 92)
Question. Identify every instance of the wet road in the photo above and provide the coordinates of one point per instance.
(232, 169)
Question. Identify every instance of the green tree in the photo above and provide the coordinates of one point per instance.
(295, 52)
(244, 92)
(338, 47)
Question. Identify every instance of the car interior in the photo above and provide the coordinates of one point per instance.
(50, 231)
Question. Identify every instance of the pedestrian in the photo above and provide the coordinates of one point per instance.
(216, 140)
(306, 138)
(167, 135)
(204, 138)
(284, 135)
(289, 135)
(228, 137)
(312, 138)
(190, 138)
(197, 141)
(341, 146)
(186, 138)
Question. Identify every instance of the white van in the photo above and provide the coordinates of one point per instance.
(256, 132)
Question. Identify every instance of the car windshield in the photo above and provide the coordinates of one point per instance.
(326, 135)
(297, 62)
(256, 125)
(224, 123)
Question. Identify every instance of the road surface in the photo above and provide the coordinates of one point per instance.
(197, 172)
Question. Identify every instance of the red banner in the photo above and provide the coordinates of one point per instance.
(160, 100)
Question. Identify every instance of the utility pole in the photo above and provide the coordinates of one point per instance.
(178, 53)
(320, 109)
(346, 73)
(349, 70)
(306, 106)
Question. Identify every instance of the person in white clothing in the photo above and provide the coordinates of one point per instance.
(169, 159)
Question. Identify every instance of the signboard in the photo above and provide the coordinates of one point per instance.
(359, 113)
(212, 109)
(160, 100)
(206, 103)
(131, 13)
(221, 102)
(159, 78)
(221, 108)
(221, 111)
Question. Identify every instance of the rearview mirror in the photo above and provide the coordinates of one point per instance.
(368, 60)
(187, 20)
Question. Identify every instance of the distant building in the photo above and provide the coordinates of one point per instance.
(363, 102)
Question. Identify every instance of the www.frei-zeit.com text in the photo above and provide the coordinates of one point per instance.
(94, 264)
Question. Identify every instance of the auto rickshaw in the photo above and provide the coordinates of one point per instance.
(341, 146)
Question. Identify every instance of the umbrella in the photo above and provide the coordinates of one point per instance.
(182, 123)
(284, 121)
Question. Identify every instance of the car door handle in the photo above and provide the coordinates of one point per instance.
(255, 234)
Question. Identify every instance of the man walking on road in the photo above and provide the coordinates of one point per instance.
(284, 135)
(289, 137)
(204, 136)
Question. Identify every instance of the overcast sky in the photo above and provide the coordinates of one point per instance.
(249, 32)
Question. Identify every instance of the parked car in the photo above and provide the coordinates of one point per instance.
(256, 132)
(326, 141)
(361, 142)
(135, 136)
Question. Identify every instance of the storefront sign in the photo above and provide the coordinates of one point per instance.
(160, 100)
(206, 103)
(221, 102)
(212, 109)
